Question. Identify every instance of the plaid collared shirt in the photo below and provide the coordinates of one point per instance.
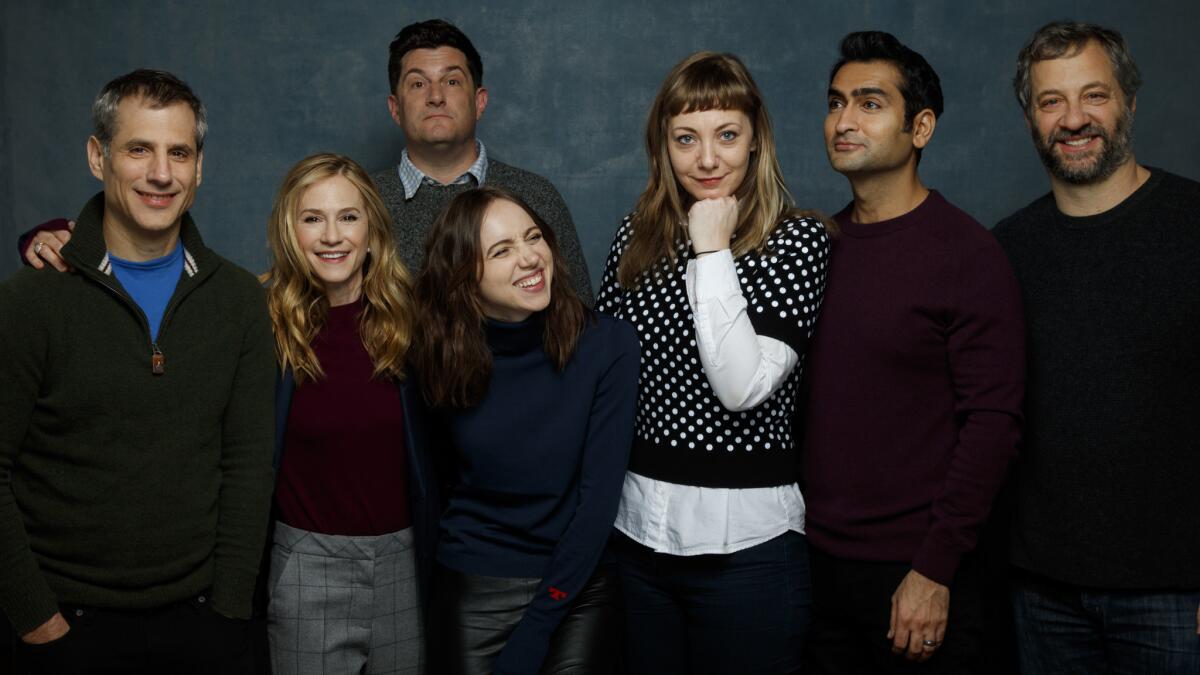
(412, 178)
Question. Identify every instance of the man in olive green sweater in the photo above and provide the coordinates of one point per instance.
(135, 416)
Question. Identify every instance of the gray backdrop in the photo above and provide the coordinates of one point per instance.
(569, 86)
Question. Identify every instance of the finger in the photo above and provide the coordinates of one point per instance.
(48, 246)
(52, 256)
(901, 639)
(33, 259)
(892, 621)
(916, 646)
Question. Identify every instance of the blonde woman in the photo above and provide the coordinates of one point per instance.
(723, 279)
(351, 503)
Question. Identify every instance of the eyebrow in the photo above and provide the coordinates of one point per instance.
(686, 128)
(321, 211)
(133, 142)
(1089, 85)
(422, 73)
(509, 240)
(860, 92)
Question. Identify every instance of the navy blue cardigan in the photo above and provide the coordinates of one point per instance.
(422, 489)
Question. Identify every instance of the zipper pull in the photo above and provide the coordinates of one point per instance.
(158, 364)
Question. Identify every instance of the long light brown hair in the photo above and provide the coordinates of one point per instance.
(296, 297)
(704, 81)
(451, 352)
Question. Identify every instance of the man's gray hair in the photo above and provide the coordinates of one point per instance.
(1067, 38)
(158, 87)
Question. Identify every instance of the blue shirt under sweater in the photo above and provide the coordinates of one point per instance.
(150, 283)
(540, 465)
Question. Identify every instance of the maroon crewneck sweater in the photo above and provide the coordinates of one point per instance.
(915, 379)
(344, 466)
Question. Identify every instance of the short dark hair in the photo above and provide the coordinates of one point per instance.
(919, 82)
(1067, 38)
(158, 87)
(432, 34)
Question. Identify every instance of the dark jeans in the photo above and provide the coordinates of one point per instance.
(474, 615)
(743, 613)
(183, 638)
(852, 606)
(1063, 629)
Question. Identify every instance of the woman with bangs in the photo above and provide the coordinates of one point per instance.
(537, 394)
(353, 500)
(722, 278)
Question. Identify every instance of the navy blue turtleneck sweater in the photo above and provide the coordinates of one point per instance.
(540, 464)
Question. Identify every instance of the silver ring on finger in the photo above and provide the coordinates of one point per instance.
(37, 248)
(931, 644)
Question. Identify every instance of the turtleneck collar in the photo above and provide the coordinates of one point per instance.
(515, 338)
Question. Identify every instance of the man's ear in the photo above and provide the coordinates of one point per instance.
(480, 102)
(394, 108)
(923, 125)
(95, 155)
(199, 167)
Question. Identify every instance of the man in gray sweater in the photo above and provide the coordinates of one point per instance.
(437, 97)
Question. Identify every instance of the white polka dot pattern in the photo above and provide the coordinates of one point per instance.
(783, 287)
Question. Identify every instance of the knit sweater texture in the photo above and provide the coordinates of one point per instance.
(120, 488)
(1106, 488)
(539, 468)
(684, 435)
(914, 385)
(412, 218)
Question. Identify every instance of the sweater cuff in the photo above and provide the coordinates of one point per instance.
(26, 611)
(937, 562)
(233, 593)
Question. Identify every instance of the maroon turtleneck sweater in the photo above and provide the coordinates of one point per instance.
(344, 464)
(915, 378)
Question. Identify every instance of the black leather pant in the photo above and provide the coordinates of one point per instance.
(472, 617)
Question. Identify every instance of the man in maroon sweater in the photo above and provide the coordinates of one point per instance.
(915, 378)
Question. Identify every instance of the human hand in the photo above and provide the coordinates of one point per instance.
(54, 628)
(46, 245)
(920, 607)
(711, 223)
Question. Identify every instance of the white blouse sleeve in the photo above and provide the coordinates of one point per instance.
(743, 368)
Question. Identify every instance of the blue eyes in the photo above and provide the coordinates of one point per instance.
(688, 139)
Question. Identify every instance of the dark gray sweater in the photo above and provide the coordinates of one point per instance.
(1106, 492)
(412, 218)
(120, 488)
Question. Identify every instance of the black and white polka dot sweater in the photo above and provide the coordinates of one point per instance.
(683, 434)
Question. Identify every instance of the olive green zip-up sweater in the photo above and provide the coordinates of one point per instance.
(119, 487)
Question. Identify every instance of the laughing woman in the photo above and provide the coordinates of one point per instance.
(723, 279)
(352, 498)
(538, 395)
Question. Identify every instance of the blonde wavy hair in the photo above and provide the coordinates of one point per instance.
(704, 81)
(296, 297)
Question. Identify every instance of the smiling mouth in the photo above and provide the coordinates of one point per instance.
(156, 199)
(333, 256)
(533, 282)
(710, 182)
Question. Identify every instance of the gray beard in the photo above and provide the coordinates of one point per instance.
(1115, 152)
